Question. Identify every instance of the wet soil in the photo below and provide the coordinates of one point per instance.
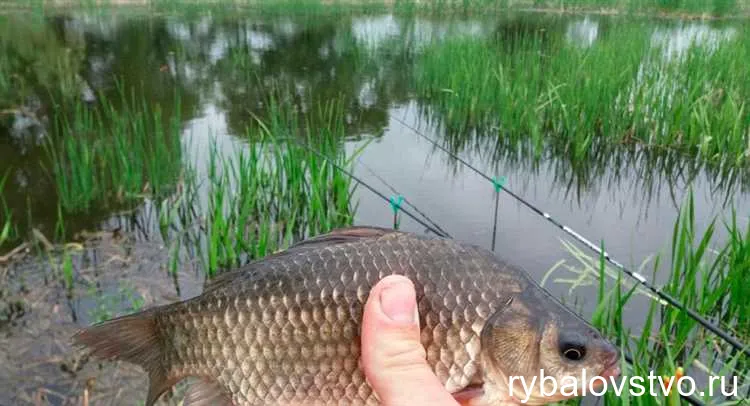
(38, 316)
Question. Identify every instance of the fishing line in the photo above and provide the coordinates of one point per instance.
(406, 200)
(439, 231)
(498, 185)
(435, 230)
(733, 341)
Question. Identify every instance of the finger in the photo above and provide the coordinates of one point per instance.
(393, 357)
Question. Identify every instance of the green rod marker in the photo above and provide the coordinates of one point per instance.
(498, 183)
(396, 206)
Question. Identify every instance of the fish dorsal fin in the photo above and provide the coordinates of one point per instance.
(341, 236)
(206, 393)
(337, 236)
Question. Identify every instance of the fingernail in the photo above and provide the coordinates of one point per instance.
(399, 302)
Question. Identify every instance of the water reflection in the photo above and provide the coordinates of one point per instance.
(226, 67)
(583, 32)
(676, 41)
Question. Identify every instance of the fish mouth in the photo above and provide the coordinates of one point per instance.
(611, 370)
(469, 393)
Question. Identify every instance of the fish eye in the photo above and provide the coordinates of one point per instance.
(572, 347)
(574, 353)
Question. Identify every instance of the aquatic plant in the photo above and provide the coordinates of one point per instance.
(277, 191)
(709, 281)
(440, 7)
(543, 92)
(8, 231)
(713, 7)
(114, 154)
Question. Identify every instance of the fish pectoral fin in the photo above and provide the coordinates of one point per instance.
(206, 393)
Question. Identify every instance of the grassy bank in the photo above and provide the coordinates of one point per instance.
(623, 90)
(704, 275)
(681, 8)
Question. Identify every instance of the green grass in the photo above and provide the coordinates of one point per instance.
(124, 300)
(199, 7)
(442, 7)
(714, 7)
(114, 154)
(7, 227)
(545, 93)
(717, 8)
(265, 195)
(710, 281)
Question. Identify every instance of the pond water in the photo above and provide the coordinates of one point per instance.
(627, 200)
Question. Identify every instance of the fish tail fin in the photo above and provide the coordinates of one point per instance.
(136, 339)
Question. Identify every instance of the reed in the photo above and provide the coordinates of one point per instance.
(621, 91)
(712, 7)
(442, 7)
(707, 280)
(114, 154)
(275, 191)
(7, 229)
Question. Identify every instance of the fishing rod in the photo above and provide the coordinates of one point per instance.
(406, 200)
(733, 341)
(437, 230)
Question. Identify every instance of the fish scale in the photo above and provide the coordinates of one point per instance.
(285, 329)
(331, 344)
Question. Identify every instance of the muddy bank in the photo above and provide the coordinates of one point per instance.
(39, 314)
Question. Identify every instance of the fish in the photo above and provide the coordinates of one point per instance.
(285, 329)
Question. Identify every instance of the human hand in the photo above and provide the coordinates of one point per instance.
(393, 357)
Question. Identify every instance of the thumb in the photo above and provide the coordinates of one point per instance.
(393, 357)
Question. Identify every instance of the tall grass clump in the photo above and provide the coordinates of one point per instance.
(112, 154)
(277, 191)
(7, 228)
(702, 7)
(711, 281)
(278, 7)
(713, 7)
(625, 89)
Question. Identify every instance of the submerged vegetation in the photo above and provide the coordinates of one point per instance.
(36, 65)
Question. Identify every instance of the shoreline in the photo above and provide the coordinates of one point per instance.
(740, 12)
